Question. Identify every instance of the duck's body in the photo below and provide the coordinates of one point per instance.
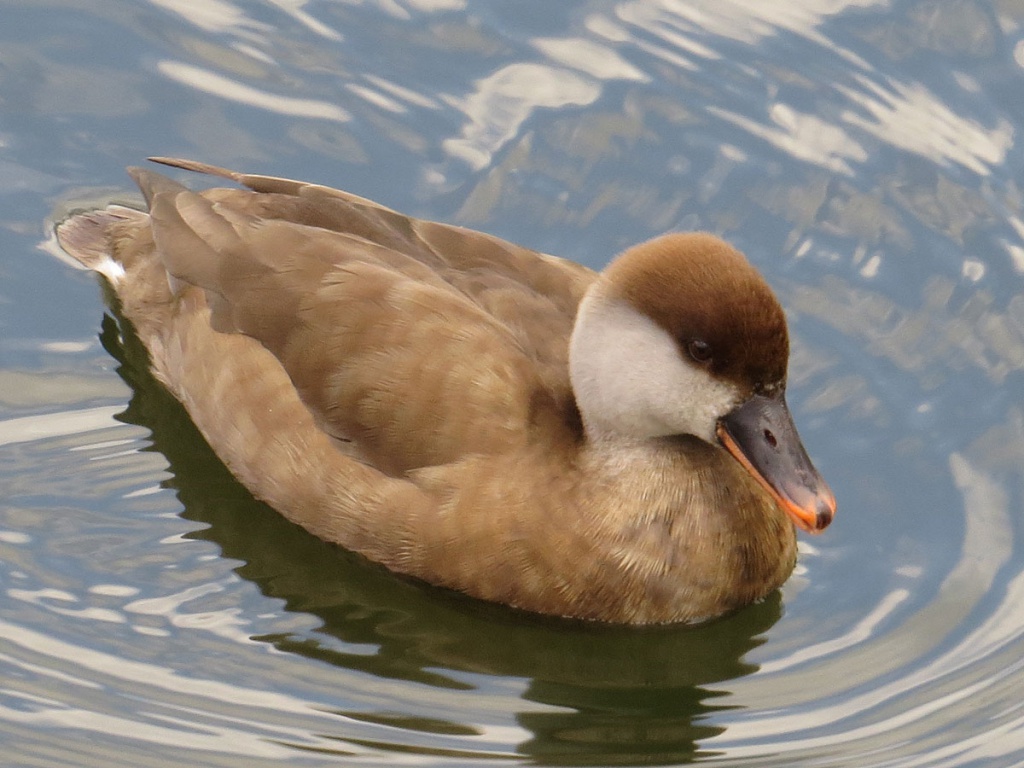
(425, 395)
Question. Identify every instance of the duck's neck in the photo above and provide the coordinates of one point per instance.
(631, 380)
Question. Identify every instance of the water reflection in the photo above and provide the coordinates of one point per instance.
(501, 103)
(228, 722)
(209, 81)
(908, 117)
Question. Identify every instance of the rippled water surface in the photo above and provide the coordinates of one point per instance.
(866, 155)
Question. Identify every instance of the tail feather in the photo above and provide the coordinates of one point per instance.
(266, 184)
(86, 237)
(151, 183)
(253, 181)
(198, 167)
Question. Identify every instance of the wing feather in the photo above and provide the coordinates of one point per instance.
(418, 358)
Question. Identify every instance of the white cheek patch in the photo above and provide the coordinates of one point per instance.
(631, 380)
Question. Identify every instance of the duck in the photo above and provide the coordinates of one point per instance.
(608, 446)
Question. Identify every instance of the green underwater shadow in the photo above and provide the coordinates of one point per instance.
(621, 695)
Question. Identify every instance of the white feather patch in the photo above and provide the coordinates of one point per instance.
(110, 269)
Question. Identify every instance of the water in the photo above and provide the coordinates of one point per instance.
(864, 154)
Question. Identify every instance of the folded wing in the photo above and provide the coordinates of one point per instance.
(413, 358)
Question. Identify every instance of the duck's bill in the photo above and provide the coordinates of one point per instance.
(760, 434)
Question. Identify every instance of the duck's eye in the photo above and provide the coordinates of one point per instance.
(699, 350)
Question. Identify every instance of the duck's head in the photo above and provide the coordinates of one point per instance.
(681, 336)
